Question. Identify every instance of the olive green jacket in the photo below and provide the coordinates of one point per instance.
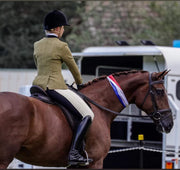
(49, 54)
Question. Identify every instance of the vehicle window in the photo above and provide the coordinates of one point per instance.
(178, 90)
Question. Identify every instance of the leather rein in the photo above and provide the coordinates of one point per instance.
(156, 114)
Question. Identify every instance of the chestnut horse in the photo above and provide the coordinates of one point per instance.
(38, 133)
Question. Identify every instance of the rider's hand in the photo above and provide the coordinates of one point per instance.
(80, 86)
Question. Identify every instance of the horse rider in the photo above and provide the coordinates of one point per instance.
(49, 54)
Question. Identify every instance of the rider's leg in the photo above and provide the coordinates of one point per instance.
(74, 156)
(78, 106)
(61, 99)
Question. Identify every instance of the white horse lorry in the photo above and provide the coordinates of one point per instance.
(159, 150)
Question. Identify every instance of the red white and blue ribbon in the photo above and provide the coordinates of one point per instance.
(118, 91)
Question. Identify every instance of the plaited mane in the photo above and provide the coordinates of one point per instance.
(114, 74)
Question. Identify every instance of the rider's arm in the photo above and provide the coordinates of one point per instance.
(70, 62)
(35, 59)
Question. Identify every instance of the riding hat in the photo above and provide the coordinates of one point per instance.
(54, 19)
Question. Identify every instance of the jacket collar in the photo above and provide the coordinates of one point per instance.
(51, 35)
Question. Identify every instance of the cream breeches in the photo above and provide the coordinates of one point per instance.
(77, 102)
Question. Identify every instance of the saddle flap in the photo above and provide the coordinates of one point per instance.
(38, 93)
(37, 90)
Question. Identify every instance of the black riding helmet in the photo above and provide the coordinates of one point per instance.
(54, 19)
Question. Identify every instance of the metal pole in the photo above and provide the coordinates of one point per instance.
(141, 144)
(163, 148)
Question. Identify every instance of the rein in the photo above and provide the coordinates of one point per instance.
(156, 114)
(106, 109)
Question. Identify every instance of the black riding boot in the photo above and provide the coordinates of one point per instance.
(75, 158)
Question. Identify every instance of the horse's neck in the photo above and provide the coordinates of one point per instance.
(131, 84)
(97, 91)
(102, 93)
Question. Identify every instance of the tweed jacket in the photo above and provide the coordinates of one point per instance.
(49, 54)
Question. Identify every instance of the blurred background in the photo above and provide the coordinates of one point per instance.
(93, 23)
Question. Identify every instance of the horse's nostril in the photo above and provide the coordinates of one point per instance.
(170, 126)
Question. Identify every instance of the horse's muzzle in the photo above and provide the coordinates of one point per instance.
(165, 124)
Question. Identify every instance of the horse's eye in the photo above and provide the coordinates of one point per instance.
(160, 92)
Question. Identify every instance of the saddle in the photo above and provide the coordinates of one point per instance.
(38, 93)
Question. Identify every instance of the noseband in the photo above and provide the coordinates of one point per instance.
(156, 114)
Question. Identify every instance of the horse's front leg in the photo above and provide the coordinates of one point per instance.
(4, 164)
(98, 144)
(96, 164)
(98, 151)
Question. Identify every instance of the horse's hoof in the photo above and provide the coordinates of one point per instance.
(76, 163)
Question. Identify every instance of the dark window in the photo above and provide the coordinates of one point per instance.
(119, 130)
(148, 129)
(89, 64)
(178, 90)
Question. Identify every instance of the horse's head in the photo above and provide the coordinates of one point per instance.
(153, 100)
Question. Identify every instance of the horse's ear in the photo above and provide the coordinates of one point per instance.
(161, 75)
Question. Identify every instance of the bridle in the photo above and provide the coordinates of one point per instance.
(156, 114)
